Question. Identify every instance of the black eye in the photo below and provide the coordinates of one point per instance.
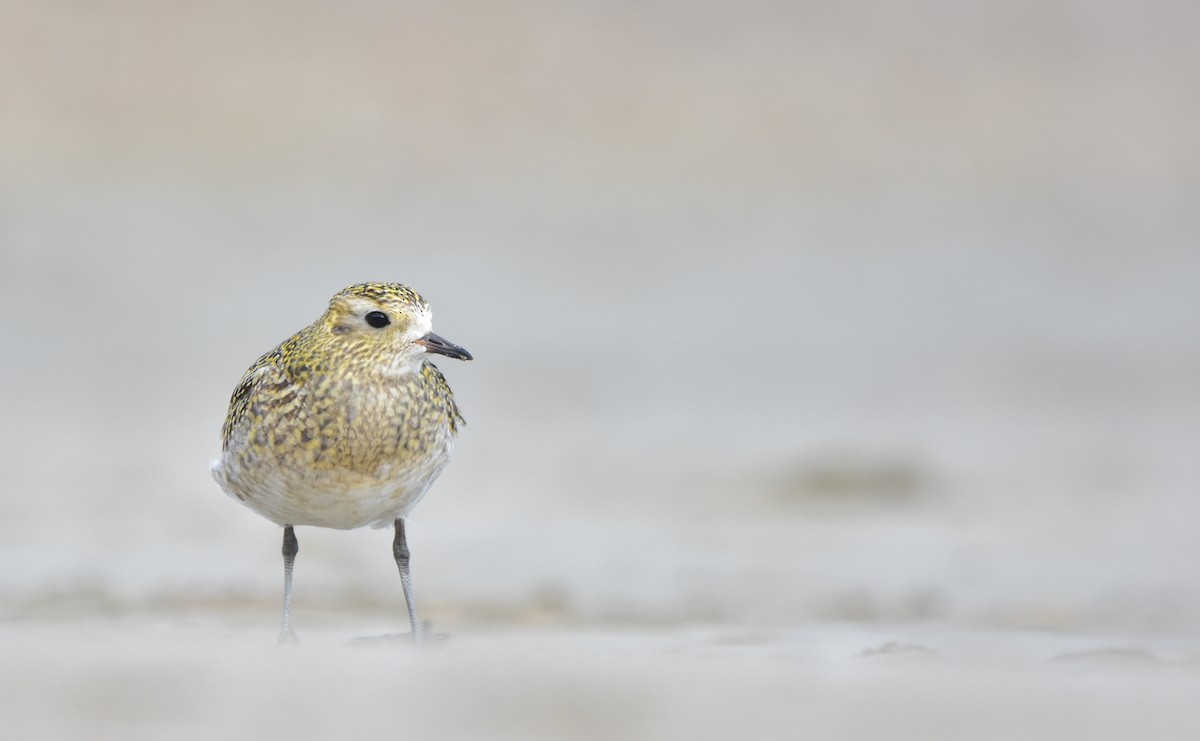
(377, 319)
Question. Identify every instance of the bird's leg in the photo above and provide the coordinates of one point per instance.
(400, 551)
(290, 548)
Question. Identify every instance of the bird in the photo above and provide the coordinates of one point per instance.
(345, 424)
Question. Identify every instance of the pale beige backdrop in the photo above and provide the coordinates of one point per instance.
(802, 331)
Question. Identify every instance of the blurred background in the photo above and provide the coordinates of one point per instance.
(782, 312)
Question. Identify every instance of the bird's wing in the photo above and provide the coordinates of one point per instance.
(265, 385)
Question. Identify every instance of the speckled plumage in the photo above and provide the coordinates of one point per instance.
(337, 426)
(346, 423)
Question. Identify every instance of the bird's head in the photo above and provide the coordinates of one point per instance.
(384, 324)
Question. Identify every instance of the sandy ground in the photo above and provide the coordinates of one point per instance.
(197, 676)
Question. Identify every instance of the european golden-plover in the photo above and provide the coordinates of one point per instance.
(345, 424)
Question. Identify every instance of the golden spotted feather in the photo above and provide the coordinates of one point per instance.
(336, 427)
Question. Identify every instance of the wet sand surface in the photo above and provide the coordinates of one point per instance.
(197, 677)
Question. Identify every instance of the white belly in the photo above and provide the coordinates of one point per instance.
(343, 500)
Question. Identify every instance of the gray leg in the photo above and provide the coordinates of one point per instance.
(400, 551)
(290, 548)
